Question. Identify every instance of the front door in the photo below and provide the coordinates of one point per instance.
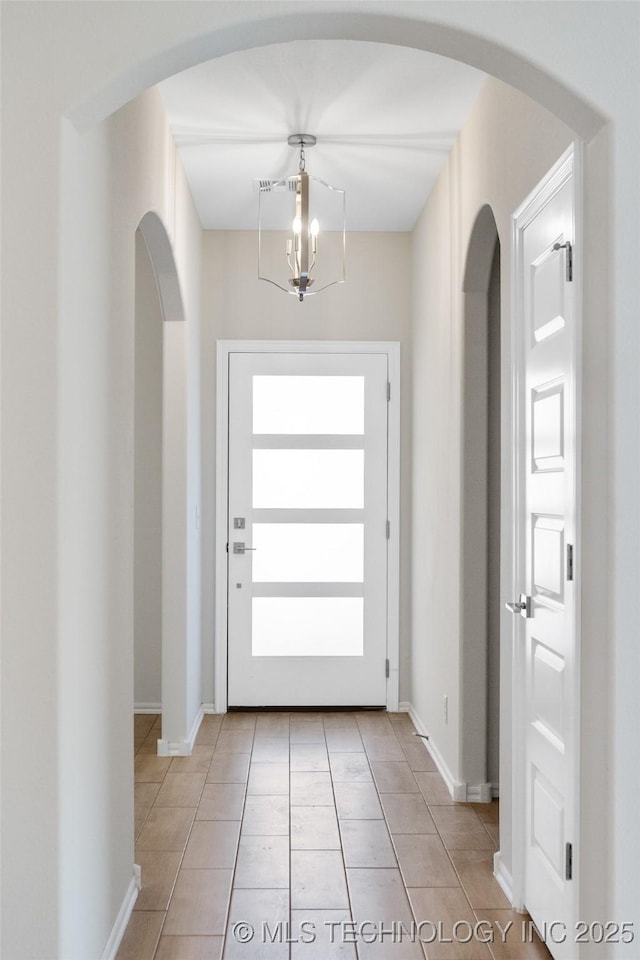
(546, 630)
(307, 529)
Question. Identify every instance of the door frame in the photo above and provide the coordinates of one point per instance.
(569, 165)
(392, 351)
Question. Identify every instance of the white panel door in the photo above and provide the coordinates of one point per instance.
(307, 561)
(546, 445)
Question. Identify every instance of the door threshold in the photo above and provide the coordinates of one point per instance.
(299, 709)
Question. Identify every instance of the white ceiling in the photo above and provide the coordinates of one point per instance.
(385, 118)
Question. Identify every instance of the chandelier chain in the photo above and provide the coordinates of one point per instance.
(302, 163)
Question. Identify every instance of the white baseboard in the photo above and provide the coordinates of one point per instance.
(209, 708)
(194, 729)
(455, 788)
(503, 876)
(479, 792)
(124, 913)
(404, 707)
(181, 748)
(460, 792)
(147, 708)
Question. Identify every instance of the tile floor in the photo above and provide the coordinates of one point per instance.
(314, 836)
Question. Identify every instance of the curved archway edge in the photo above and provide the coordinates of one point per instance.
(484, 236)
(454, 42)
(160, 251)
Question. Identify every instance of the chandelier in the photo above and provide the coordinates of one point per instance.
(301, 230)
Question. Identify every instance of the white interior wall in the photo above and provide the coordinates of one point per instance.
(374, 304)
(147, 569)
(187, 244)
(94, 563)
(504, 149)
(75, 821)
(435, 620)
(63, 366)
(606, 773)
(494, 453)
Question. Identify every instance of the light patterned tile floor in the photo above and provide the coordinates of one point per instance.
(314, 835)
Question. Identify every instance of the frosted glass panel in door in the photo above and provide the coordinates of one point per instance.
(308, 479)
(308, 405)
(307, 627)
(308, 552)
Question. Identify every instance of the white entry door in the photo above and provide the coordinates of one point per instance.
(546, 629)
(307, 529)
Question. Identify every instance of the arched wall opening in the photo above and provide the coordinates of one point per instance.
(155, 65)
(160, 480)
(485, 55)
(154, 55)
(199, 43)
(473, 48)
(480, 520)
(147, 507)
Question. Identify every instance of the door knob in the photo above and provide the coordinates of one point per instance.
(521, 606)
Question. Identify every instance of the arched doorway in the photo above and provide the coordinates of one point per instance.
(160, 506)
(466, 45)
(147, 533)
(480, 584)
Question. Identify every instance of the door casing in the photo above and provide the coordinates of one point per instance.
(570, 163)
(226, 347)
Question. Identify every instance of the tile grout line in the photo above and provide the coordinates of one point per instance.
(184, 849)
(461, 885)
(446, 849)
(393, 846)
(335, 807)
(373, 733)
(235, 860)
(146, 816)
(164, 912)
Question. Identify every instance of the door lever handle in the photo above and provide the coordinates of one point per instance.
(239, 547)
(515, 607)
(521, 606)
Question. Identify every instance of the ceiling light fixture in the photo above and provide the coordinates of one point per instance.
(299, 205)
